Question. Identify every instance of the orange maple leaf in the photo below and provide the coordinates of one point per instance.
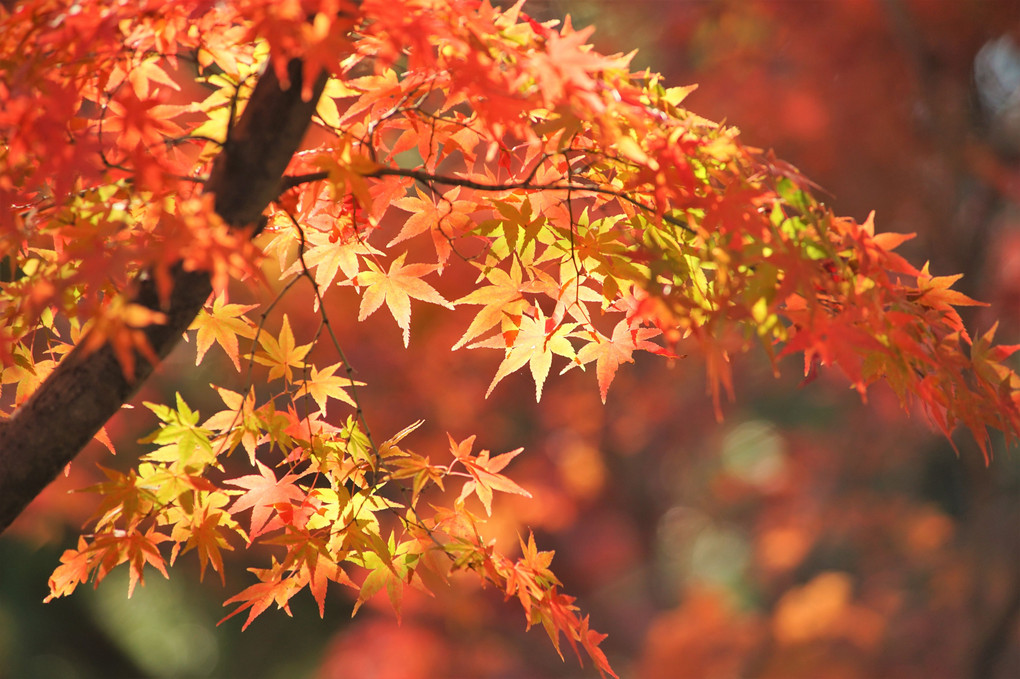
(272, 588)
(75, 567)
(263, 492)
(536, 342)
(140, 549)
(396, 287)
(203, 533)
(325, 384)
(609, 354)
(499, 301)
(444, 216)
(484, 471)
(934, 291)
(222, 323)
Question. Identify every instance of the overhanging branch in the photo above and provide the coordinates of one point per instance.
(528, 184)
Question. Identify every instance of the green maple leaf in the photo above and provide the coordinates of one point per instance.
(180, 436)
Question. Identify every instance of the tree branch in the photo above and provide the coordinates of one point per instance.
(87, 389)
(428, 179)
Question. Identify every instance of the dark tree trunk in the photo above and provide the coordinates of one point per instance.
(87, 389)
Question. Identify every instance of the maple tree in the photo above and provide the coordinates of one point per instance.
(599, 216)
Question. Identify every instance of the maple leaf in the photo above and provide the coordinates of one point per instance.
(239, 419)
(389, 448)
(124, 498)
(590, 640)
(565, 65)
(320, 572)
(263, 492)
(522, 225)
(987, 358)
(396, 287)
(222, 323)
(535, 343)
(272, 588)
(328, 258)
(383, 573)
(75, 568)
(609, 354)
(27, 376)
(445, 216)
(140, 549)
(934, 291)
(327, 109)
(403, 464)
(484, 471)
(323, 384)
(203, 533)
(146, 73)
(558, 614)
(183, 440)
(530, 577)
(281, 354)
(104, 437)
(120, 324)
(499, 301)
(421, 469)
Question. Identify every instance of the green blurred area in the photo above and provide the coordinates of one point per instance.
(167, 629)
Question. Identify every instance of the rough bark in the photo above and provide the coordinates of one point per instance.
(87, 389)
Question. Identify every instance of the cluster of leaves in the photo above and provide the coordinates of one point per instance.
(597, 212)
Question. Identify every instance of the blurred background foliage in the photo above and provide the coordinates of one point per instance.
(807, 535)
